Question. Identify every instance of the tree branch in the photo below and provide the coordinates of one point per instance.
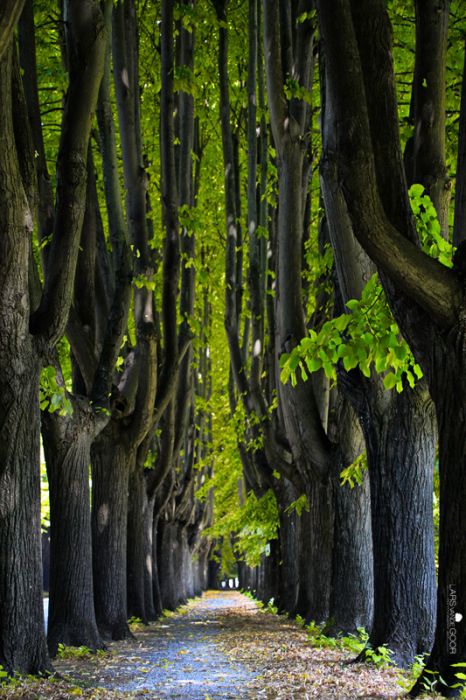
(436, 288)
(273, 62)
(10, 12)
(86, 40)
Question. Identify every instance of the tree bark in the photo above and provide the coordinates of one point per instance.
(111, 460)
(67, 446)
(22, 639)
(167, 565)
(150, 571)
(459, 224)
(137, 501)
(428, 106)
(351, 604)
(401, 453)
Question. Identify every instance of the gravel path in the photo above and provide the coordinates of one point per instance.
(176, 657)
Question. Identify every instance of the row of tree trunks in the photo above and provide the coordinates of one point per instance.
(367, 531)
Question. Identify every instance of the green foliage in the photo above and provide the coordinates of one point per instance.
(461, 676)
(380, 657)
(354, 643)
(353, 474)
(254, 524)
(135, 624)
(365, 338)
(82, 652)
(428, 226)
(407, 679)
(144, 282)
(299, 505)
(295, 91)
(53, 396)
(271, 607)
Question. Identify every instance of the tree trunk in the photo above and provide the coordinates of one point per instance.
(22, 637)
(178, 563)
(110, 469)
(400, 438)
(156, 544)
(287, 557)
(167, 566)
(67, 446)
(316, 542)
(137, 501)
(352, 586)
(450, 636)
(149, 560)
(267, 587)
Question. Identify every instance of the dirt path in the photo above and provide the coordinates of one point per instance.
(223, 646)
(176, 657)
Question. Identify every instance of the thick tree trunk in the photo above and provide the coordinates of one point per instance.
(352, 586)
(22, 637)
(156, 544)
(450, 636)
(110, 470)
(202, 568)
(309, 443)
(400, 438)
(188, 574)
(149, 559)
(213, 578)
(316, 543)
(167, 565)
(285, 552)
(267, 586)
(137, 501)
(67, 446)
(180, 564)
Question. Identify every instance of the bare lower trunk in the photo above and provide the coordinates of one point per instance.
(316, 554)
(156, 543)
(450, 636)
(352, 587)
(135, 559)
(22, 637)
(401, 453)
(151, 612)
(287, 557)
(167, 565)
(67, 445)
(110, 471)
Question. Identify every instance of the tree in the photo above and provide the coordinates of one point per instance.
(425, 296)
(322, 442)
(30, 332)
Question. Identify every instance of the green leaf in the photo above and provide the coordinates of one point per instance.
(352, 304)
(350, 362)
(313, 364)
(416, 190)
(390, 380)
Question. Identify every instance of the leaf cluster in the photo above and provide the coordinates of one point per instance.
(367, 337)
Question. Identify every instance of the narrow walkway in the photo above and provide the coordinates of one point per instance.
(222, 646)
(179, 656)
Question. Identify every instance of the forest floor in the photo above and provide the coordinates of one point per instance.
(219, 646)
